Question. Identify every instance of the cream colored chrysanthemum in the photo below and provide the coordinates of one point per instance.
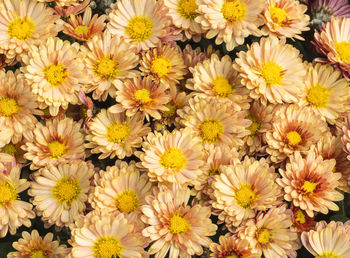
(175, 157)
(142, 95)
(55, 72)
(310, 183)
(285, 19)
(33, 245)
(294, 128)
(60, 192)
(261, 117)
(331, 147)
(272, 70)
(178, 99)
(328, 240)
(141, 22)
(326, 91)
(231, 246)
(17, 105)
(231, 21)
(164, 64)
(84, 28)
(56, 142)
(333, 41)
(215, 77)
(182, 14)
(215, 122)
(242, 189)
(14, 212)
(106, 235)
(115, 134)
(346, 135)
(108, 61)
(25, 24)
(174, 226)
(121, 189)
(269, 233)
(215, 158)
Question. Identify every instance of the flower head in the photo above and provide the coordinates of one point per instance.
(285, 18)
(115, 134)
(142, 23)
(310, 183)
(272, 70)
(230, 21)
(55, 72)
(33, 245)
(174, 226)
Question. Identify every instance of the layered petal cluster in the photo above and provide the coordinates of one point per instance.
(244, 188)
(33, 245)
(310, 183)
(272, 70)
(175, 227)
(60, 192)
(230, 21)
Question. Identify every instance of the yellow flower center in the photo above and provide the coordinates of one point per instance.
(57, 149)
(222, 87)
(255, 126)
(173, 158)
(161, 66)
(234, 11)
(21, 28)
(246, 196)
(318, 96)
(56, 74)
(139, 28)
(143, 95)
(309, 187)
(171, 112)
(300, 217)
(9, 149)
(211, 129)
(187, 9)
(82, 29)
(272, 73)
(8, 107)
(66, 190)
(107, 247)
(328, 255)
(37, 254)
(264, 237)
(232, 256)
(343, 50)
(8, 193)
(107, 68)
(178, 224)
(294, 138)
(127, 201)
(214, 171)
(278, 15)
(117, 132)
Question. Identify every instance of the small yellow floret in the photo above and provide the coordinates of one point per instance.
(57, 149)
(8, 193)
(278, 15)
(21, 28)
(318, 96)
(173, 158)
(161, 66)
(139, 28)
(82, 29)
(143, 95)
(246, 196)
(294, 138)
(300, 217)
(8, 107)
(107, 247)
(343, 50)
(187, 9)
(66, 190)
(222, 87)
(178, 224)
(272, 73)
(107, 68)
(56, 74)
(309, 187)
(117, 132)
(328, 255)
(127, 201)
(264, 237)
(234, 11)
(211, 129)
